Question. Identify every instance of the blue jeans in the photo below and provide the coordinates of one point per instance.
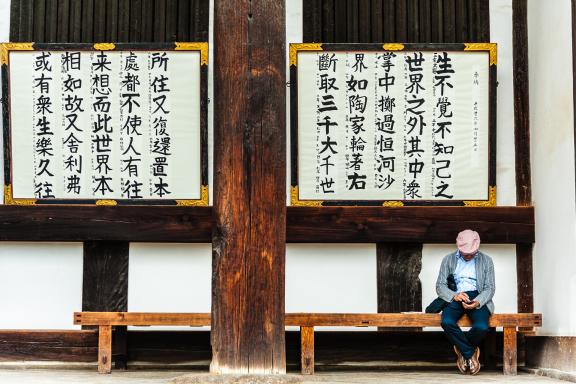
(465, 342)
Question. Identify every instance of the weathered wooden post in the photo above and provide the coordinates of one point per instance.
(249, 187)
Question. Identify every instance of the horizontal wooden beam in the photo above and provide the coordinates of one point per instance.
(44, 345)
(191, 349)
(497, 225)
(115, 223)
(305, 319)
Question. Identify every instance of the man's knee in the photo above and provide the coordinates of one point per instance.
(448, 322)
(480, 327)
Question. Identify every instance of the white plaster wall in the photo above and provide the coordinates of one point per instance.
(552, 130)
(169, 278)
(40, 285)
(331, 278)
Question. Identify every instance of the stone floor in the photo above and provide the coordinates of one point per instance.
(89, 376)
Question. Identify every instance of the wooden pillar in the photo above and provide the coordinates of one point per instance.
(574, 69)
(522, 147)
(399, 287)
(249, 187)
(307, 350)
(105, 285)
(105, 349)
(510, 351)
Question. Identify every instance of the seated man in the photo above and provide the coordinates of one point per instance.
(474, 276)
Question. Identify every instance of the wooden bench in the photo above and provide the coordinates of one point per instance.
(307, 322)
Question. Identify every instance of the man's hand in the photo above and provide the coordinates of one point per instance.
(462, 296)
(471, 305)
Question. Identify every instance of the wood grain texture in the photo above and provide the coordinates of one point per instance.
(408, 224)
(26, 20)
(63, 28)
(403, 319)
(135, 30)
(307, 350)
(406, 21)
(524, 266)
(75, 35)
(500, 225)
(524, 277)
(521, 102)
(193, 347)
(573, 2)
(112, 21)
(39, 20)
(51, 21)
(142, 318)
(83, 223)
(551, 352)
(398, 282)
(105, 284)
(305, 319)
(87, 25)
(42, 345)
(14, 20)
(104, 349)
(108, 20)
(510, 351)
(249, 233)
(99, 21)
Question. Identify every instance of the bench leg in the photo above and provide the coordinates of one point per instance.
(510, 351)
(307, 350)
(105, 349)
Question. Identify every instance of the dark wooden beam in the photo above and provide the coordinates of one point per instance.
(15, 20)
(498, 225)
(522, 147)
(521, 102)
(249, 187)
(574, 69)
(193, 347)
(84, 223)
(105, 283)
(524, 278)
(42, 345)
(398, 269)
(105, 286)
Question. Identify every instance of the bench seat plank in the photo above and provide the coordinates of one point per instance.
(404, 319)
(142, 318)
(305, 319)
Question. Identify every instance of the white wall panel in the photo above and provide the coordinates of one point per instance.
(40, 285)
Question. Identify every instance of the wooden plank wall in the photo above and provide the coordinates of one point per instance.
(105, 275)
(406, 21)
(75, 21)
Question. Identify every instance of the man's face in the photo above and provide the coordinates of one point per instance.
(468, 256)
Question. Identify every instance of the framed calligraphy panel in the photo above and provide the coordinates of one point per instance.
(393, 124)
(105, 123)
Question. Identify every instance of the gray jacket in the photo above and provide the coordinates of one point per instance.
(484, 279)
